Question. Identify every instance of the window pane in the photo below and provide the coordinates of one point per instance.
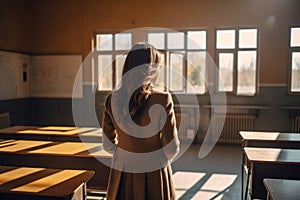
(104, 42)
(157, 40)
(226, 72)
(295, 37)
(225, 39)
(120, 60)
(123, 41)
(196, 39)
(175, 40)
(295, 80)
(161, 82)
(105, 72)
(246, 72)
(248, 38)
(176, 72)
(196, 72)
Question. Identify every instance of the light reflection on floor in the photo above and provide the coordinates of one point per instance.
(217, 176)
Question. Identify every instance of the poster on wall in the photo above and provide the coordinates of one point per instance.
(54, 76)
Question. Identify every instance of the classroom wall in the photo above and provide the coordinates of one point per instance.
(67, 27)
(15, 36)
(57, 27)
(15, 25)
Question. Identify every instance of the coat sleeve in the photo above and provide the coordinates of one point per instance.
(109, 136)
(169, 135)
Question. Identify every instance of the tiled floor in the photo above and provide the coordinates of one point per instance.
(216, 176)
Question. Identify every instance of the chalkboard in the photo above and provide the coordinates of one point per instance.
(54, 75)
(14, 75)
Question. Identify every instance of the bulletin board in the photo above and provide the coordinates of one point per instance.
(55, 75)
(14, 75)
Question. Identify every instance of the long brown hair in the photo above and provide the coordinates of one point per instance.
(141, 54)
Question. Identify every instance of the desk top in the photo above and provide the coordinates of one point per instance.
(282, 189)
(53, 133)
(53, 130)
(273, 155)
(270, 136)
(41, 181)
(14, 129)
(53, 148)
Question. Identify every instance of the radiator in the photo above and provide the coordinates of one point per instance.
(296, 124)
(182, 122)
(232, 125)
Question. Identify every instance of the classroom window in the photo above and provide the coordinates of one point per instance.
(105, 71)
(176, 78)
(236, 56)
(183, 54)
(226, 72)
(111, 50)
(120, 60)
(295, 59)
(185, 60)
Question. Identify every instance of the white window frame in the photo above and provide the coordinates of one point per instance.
(292, 49)
(234, 51)
(166, 51)
(112, 52)
(183, 52)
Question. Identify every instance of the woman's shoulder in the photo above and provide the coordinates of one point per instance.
(161, 96)
(160, 93)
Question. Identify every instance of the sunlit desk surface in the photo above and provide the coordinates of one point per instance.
(270, 163)
(23, 183)
(270, 139)
(53, 133)
(279, 189)
(58, 155)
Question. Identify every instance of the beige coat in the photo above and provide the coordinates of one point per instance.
(141, 166)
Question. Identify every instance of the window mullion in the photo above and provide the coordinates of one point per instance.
(235, 71)
(95, 70)
(114, 61)
(235, 68)
(114, 69)
(185, 71)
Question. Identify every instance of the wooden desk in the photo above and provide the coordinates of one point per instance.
(25, 183)
(270, 139)
(266, 139)
(279, 189)
(53, 133)
(58, 155)
(270, 163)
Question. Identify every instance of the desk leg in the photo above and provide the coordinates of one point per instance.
(247, 182)
(242, 168)
(242, 176)
(247, 185)
(84, 192)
